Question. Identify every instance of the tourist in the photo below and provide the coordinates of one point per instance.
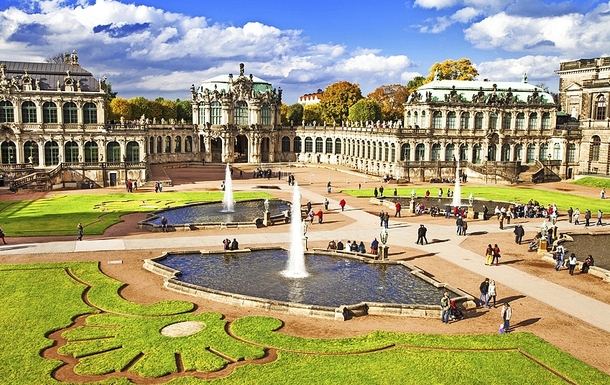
(602, 194)
(464, 227)
(326, 204)
(308, 206)
(354, 247)
(519, 233)
(332, 245)
(445, 307)
(381, 191)
(440, 192)
(587, 217)
(348, 245)
(491, 292)
(496, 254)
(375, 192)
(570, 213)
(398, 208)
(507, 314)
(485, 211)
(386, 219)
(328, 187)
(584, 269)
(2, 235)
(572, 263)
(599, 218)
(234, 244)
(483, 289)
(340, 245)
(320, 215)
(374, 246)
(164, 224)
(559, 256)
(489, 255)
(395, 192)
(458, 225)
(576, 216)
(381, 216)
(362, 248)
(311, 216)
(226, 243)
(342, 204)
(79, 229)
(421, 235)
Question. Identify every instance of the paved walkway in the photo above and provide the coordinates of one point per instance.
(401, 234)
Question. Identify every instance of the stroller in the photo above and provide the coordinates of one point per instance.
(455, 313)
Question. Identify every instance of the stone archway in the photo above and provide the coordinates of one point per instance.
(241, 149)
(216, 150)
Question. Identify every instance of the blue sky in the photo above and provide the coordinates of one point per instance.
(158, 48)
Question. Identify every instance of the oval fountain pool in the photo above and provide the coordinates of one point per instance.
(333, 281)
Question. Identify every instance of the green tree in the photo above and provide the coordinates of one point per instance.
(462, 69)
(365, 110)
(312, 113)
(415, 83)
(284, 111)
(155, 110)
(184, 110)
(139, 107)
(337, 99)
(169, 109)
(295, 113)
(391, 99)
(119, 107)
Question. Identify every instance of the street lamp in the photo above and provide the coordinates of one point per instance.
(383, 249)
(383, 236)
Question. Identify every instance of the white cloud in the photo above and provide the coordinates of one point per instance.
(438, 4)
(464, 15)
(538, 68)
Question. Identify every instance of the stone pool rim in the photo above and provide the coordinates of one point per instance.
(341, 313)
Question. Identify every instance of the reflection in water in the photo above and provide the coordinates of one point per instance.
(295, 293)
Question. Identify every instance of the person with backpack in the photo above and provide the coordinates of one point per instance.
(484, 288)
(507, 314)
(445, 307)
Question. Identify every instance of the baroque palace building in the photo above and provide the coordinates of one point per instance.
(54, 130)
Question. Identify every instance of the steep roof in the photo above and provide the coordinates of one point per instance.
(48, 74)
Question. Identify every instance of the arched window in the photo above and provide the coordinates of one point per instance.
(520, 123)
(531, 153)
(386, 152)
(544, 150)
(49, 112)
(337, 146)
(159, 145)
(69, 113)
(133, 152)
(178, 144)
(518, 155)
(506, 121)
(465, 121)
(374, 151)
(450, 152)
(476, 153)
(151, 145)
(405, 152)
(420, 152)
(265, 114)
(308, 144)
(90, 113)
(30, 152)
(436, 152)
(9, 151)
(71, 152)
(594, 151)
(51, 153)
(6, 112)
(188, 144)
(491, 152)
(415, 118)
(202, 109)
(423, 123)
(319, 145)
(600, 108)
(216, 112)
(546, 121)
(113, 152)
(329, 146)
(451, 120)
(464, 152)
(392, 152)
(168, 144)
(478, 121)
(505, 153)
(571, 153)
(408, 118)
(532, 123)
(556, 151)
(285, 144)
(437, 118)
(297, 144)
(91, 152)
(28, 112)
(493, 121)
(240, 113)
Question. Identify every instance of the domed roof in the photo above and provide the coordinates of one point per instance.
(224, 82)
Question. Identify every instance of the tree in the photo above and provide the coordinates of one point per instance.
(184, 110)
(109, 94)
(155, 110)
(415, 83)
(365, 110)
(295, 113)
(312, 113)
(462, 69)
(60, 58)
(391, 99)
(119, 107)
(284, 110)
(139, 107)
(337, 99)
(169, 109)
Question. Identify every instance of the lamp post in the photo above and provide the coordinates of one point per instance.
(383, 249)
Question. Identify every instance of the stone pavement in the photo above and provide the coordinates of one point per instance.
(364, 226)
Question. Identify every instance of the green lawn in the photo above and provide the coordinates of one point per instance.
(120, 336)
(60, 214)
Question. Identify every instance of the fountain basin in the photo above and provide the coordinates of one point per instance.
(337, 287)
(209, 215)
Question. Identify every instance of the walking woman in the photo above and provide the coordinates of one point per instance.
(491, 291)
(496, 254)
(489, 254)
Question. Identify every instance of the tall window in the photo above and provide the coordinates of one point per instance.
(520, 123)
(392, 152)
(168, 144)
(464, 152)
(113, 152)
(69, 112)
(337, 146)
(531, 153)
(493, 121)
(451, 120)
(178, 144)
(420, 152)
(8, 150)
(49, 112)
(329, 146)
(505, 153)
(297, 144)
(478, 121)
(532, 123)
(319, 145)
(188, 144)
(450, 152)
(91, 152)
(90, 113)
(465, 121)
(405, 152)
(240, 113)
(476, 153)
(595, 144)
(6, 112)
(386, 152)
(133, 152)
(285, 144)
(506, 121)
(518, 154)
(436, 152)
(266, 114)
(151, 145)
(571, 153)
(216, 113)
(51, 153)
(556, 151)
(159, 145)
(202, 113)
(437, 117)
(308, 144)
(546, 121)
(28, 112)
(600, 108)
(71, 152)
(30, 152)
(408, 118)
(544, 150)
